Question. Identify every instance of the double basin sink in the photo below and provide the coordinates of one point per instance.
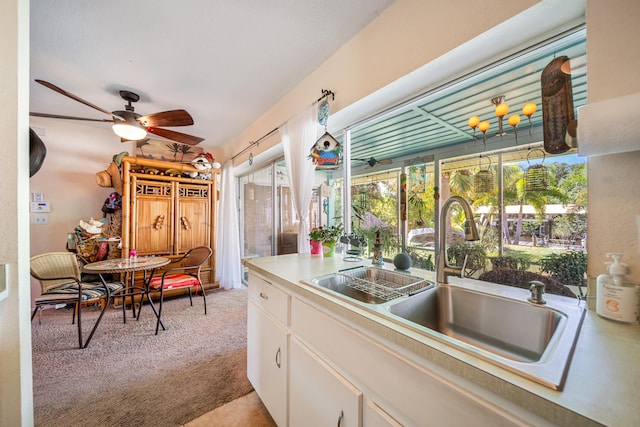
(532, 340)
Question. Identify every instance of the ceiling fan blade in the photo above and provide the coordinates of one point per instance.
(385, 161)
(72, 96)
(57, 116)
(182, 138)
(167, 118)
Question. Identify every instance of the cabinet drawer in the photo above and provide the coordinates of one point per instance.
(271, 298)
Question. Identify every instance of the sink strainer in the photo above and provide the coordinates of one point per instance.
(537, 176)
(483, 179)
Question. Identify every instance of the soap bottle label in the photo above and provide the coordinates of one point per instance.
(621, 303)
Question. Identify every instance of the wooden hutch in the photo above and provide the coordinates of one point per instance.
(166, 213)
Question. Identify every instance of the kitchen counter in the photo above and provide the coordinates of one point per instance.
(601, 386)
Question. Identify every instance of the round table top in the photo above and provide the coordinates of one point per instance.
(123, 265)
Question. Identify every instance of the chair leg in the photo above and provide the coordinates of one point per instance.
(77, 307)
(160, 309)
(190, 299)
(204, 298)
(35, 310)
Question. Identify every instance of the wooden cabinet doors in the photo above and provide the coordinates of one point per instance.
(152, 217)
(169, 218)
(193, 216)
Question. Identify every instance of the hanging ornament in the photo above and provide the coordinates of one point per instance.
(323, 113)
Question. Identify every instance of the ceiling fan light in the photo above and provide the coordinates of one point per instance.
(129, 132)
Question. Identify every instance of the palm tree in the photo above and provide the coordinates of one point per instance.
(175, 149)
(184, 149)
(140, 144)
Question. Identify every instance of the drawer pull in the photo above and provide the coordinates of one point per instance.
(340, 418)
(263, 295)
(278, 357)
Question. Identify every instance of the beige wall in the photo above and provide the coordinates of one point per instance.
(16, 397)
(406, 36)
(614, 190)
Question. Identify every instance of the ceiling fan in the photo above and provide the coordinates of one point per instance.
(372, 161)
(129, 125)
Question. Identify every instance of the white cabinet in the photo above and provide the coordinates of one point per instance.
(312, 367)
(320, 396)
(267, 346)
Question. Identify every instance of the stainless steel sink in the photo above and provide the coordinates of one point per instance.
(372, 285)
(533, 340)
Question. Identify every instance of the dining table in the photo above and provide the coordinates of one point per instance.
(127, 266)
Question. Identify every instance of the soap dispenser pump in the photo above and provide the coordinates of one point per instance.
(616, 297)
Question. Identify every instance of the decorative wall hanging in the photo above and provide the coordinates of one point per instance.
(418, 179)
(536, 177)
(167, 151)
(326, 153)
(37, 153)
(558, 120)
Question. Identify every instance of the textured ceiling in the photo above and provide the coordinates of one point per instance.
(225, 62)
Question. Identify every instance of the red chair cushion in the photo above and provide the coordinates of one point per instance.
(174, 281)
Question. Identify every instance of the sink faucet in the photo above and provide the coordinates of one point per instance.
(443, 269)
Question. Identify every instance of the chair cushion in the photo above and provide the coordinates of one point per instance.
(90, 291)
(174, 281)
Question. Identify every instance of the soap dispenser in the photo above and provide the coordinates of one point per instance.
(616, 297)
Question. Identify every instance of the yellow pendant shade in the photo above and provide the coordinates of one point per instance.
(502, 109)
(529, 109)
(474, 121)
(514, 120)
(484, 126)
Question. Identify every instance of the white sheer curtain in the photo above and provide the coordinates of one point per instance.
(298, 136)
(228, 265)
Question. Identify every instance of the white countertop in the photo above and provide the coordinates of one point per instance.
(602, 381)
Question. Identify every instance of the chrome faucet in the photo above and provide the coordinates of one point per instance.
(443, 269)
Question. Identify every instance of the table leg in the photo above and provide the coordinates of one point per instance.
(147, 281)
(104, 308)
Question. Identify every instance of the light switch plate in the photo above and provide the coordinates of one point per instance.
(40, 219)
(40, 207)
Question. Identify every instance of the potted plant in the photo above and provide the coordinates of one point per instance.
(419, 205)
(315, 239)
(330, 237)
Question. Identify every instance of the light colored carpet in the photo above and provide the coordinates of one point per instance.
(129, 376)
(245, 411)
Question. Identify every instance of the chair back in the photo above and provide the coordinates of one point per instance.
(197, 256)
(55, 269)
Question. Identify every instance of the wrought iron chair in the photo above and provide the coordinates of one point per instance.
(188, 276)
(61, 283)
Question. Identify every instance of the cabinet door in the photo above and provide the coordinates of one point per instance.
(152, 218)
(319, 395)
(267, 360)
(193, 217)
